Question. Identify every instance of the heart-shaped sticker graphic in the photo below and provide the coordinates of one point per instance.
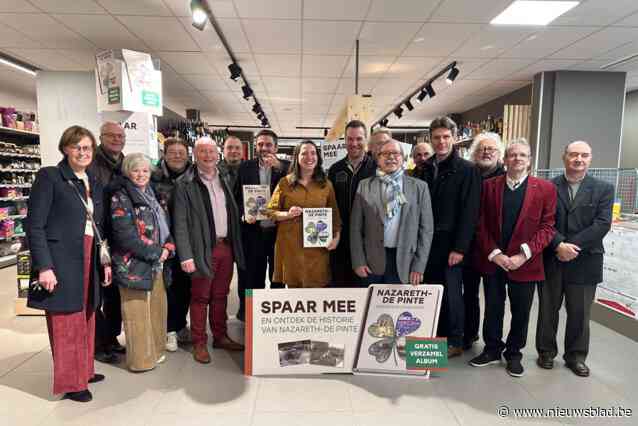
(407, 324)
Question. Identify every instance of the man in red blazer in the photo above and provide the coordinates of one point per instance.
(516, 223)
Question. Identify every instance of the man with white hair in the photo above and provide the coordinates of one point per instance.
(487, 155)
(516, 223)
(573, 260)
(206, 224)
(391, 224)
(107, 165)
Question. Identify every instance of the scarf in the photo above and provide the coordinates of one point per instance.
(158, 212)
(396, 198)
(114, 165)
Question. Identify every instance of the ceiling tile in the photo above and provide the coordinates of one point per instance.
(187, 62)
(282, 88)
(172, 81)
(221, 61)
(207, 40)
(317, 99)
(102, 30)
(46, 30)
(278, 9)
(233, 31)
(621, 52)
(595, 65)
(12, 38)
(411, 67)
(597, 12)
(544, 65)
(69, 6)
(492, 41)
(547, 41)
(390, 87)
(47, 59)
(274, 36)
(84, 58)
(370, 66)
(466, 66)
(499, 68)
(406, 10)
(160, 33)
(206, 82)
(320, 85)
(630, 21)
(598, 43)
(386, 38)
(137, 7)
(336, 9)
(440, 39)
(323, 66)
(330, 37)
(460, 11)
(16, 6)
(346, 85)
(279, 65)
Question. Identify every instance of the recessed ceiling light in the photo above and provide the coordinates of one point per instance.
(419, 39)
(524, 12)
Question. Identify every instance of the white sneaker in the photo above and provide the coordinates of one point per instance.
(184, 335)
(171, 341)
(161, 359)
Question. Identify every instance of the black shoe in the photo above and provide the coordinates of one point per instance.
(116, 347)
(484, 359)
(545, 361)
(107, 357)
(579, 368)
(467, 344)
(515, 368)
(96, 378)
(81, 396)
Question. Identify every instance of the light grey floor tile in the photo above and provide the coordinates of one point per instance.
(303, 394)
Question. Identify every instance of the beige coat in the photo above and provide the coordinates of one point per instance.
(295, 265)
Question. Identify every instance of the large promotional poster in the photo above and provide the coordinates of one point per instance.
(328, 330)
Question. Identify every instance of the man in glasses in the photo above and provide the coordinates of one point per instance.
(107, 165)
(391, 223)
(487, 155)
(455, 187)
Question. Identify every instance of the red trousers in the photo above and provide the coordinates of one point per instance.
(72, 338)
(212, 294)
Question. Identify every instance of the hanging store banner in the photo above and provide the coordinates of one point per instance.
(333, 152)
(127, 80)
(318, 331)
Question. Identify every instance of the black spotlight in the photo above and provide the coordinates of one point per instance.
(256, 108)
(409, 105)
(199, 14)
(430, 90)
(454, 72)
(235, 71)
(398, 111)
(248, 92)
(264, 122)
(384, 122)
(421, 96)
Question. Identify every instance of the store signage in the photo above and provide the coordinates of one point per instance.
(127, 80)
(426, 353)
(332, 152)
(317, 331)
(140, 129)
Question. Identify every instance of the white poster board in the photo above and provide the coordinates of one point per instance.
(256, 198)
(317, 227)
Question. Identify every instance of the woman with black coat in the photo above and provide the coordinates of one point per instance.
(62, 226)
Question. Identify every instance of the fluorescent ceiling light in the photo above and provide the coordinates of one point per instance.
(17, 66)
(533, 12)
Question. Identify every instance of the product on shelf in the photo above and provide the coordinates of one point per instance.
(9, 117)
(4, 213)
(7, 228)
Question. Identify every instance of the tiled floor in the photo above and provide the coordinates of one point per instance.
(181, 392)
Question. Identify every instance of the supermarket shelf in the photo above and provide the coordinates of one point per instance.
(16, 155)
(19, 170)
(8, 260)
(9, 130)
(15, 185)
(14, 198)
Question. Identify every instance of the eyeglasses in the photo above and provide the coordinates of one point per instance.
(388, 154)
(78, 148)
(115, 135)
(487, 149)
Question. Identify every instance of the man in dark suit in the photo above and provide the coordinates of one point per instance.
(455, 188)
(574, 259)
(516, 223)
(258, 238)
(345, 176)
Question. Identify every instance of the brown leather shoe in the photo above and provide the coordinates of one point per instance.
(454, 351)
(201, 355)
(226, 343)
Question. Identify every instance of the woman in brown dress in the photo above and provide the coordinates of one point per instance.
(306, 186)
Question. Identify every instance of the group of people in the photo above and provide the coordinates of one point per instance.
(116, 241)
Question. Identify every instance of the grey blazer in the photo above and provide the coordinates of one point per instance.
(415, 228)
